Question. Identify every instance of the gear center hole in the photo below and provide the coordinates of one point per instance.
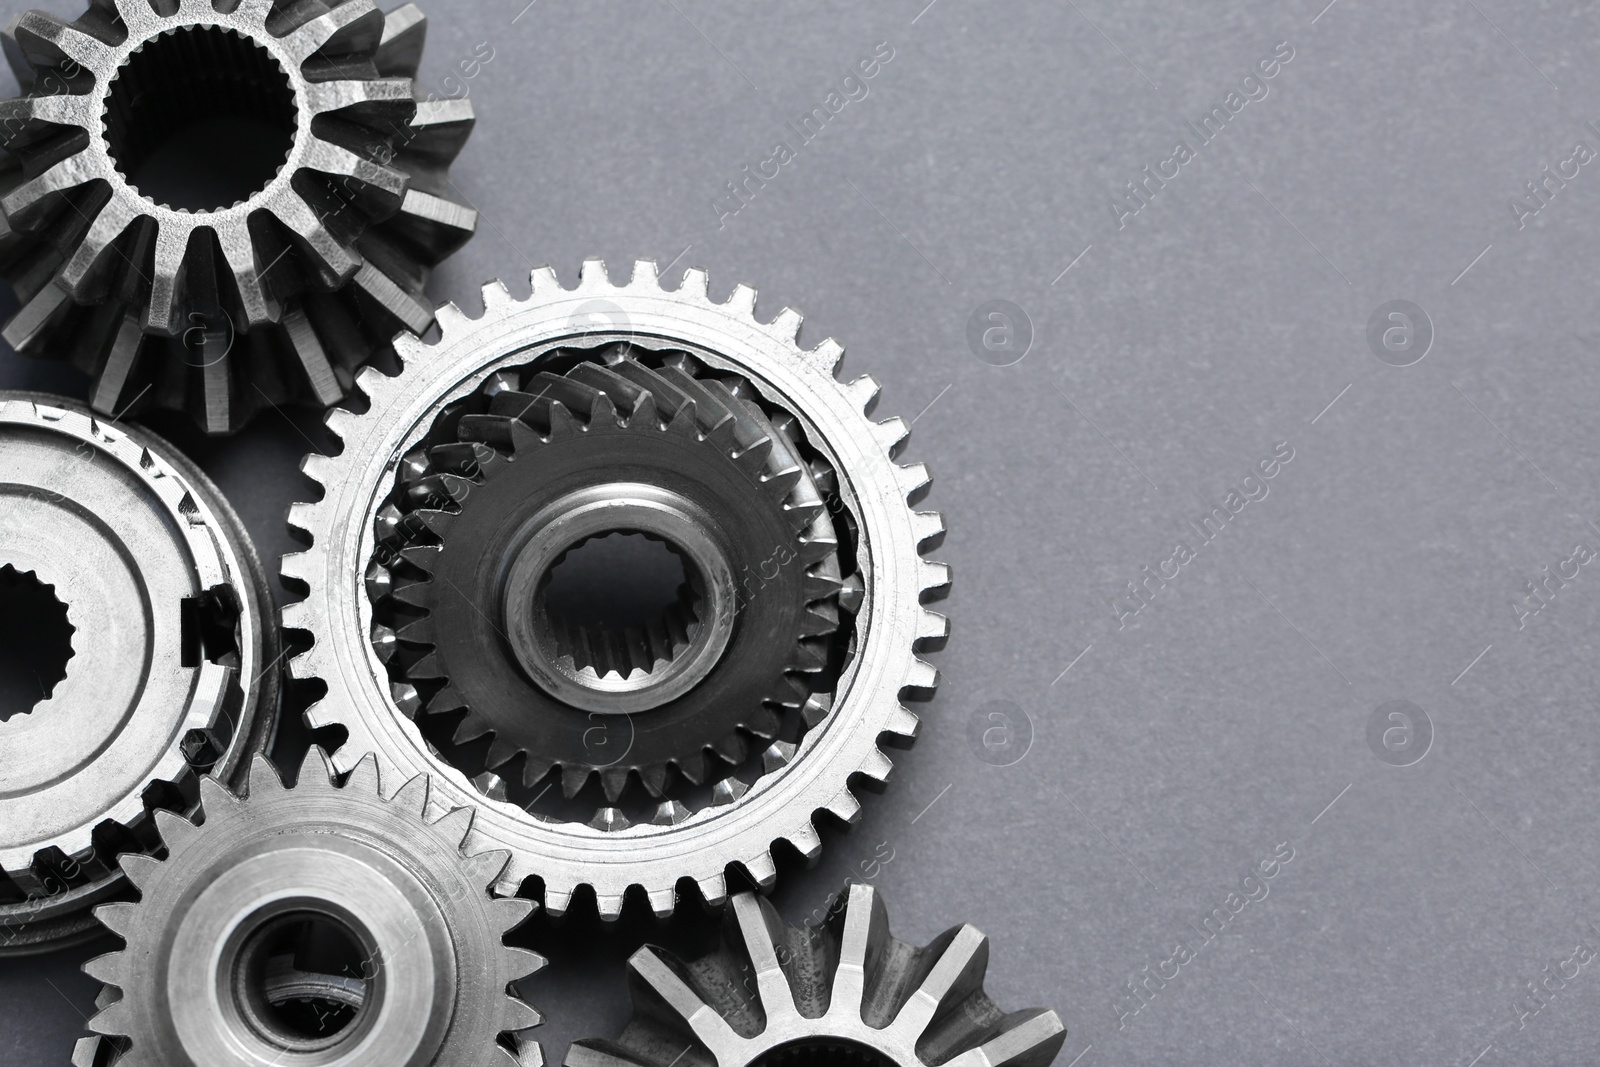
(302, 980)
(35, 641)
(200, 118)
(620, 600)
(823, 1053)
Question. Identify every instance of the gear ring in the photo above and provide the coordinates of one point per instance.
(610, 855)
(848, 993)
(214, 975)
(277, 285)
(183, 683)
(655, 451)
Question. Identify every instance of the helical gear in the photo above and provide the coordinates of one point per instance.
(221, 307)
(225, 967)
(845, 995)
(884, 582)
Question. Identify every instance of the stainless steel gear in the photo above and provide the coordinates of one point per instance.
(266, 276)
(869, 499)
(316, 925)
(173, 668)
(847, 993)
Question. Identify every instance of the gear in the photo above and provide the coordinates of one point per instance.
(315, 925)
(322, 212)
(698, 682)
(173, 658)
(856, 699)
(848, 993)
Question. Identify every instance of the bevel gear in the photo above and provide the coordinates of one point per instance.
(846, 993)
(700, 685)
(308, 250)
(312, 926)
(883, 583)
(173, 668)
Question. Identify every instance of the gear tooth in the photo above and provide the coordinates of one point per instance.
(451, 318)
(742, 301)
(112, 1021)
(517, 1016)
(933, 577)
(175, 830)
(614, 780)
(263, 776)
(501, 752)
(913, 478)
(214, 796)
(302, 517)
(610, 905)
(488, 783)
(864, 392)
(663, 902)
(534, 769)
(408, 346)
(609, 820)
(373, 382)
(542, 282)
(904, 722)
(406, 698)
(693, 286)
(806, 841)
(341, 422)
(654, 779)
(572, 779)
(456, 824)
(140, 869)
(778, 755)
(761, 869)
(731, 748)
(669, 813)
(120, 918)
(413, 796)
(496, 297)
(927, 526)
(892, 434)
(1035, 1039)
(817, 707)
(827, 357)
(317, 467)
(562, 422)
(921, 675)
(877, 766)
(645, 275)
(110, 968)
(592, 275)
(845, 806)
(786, 327)
(714, 888)
(364, 777)
(556, 900)
(932, 626)
(86, 1052)
(728, 790)
(470, 728)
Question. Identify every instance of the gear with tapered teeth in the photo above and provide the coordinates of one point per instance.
(315, 925)
(845, 993)
(884, 583)
(268, 274)
(174, 659)
(747, 636)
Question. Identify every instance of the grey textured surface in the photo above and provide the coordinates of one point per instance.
(1222, 720)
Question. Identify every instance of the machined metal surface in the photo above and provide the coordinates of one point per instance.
(174, 656)
(228, 958)
(400, 443)
(845, 993)
(276, 284)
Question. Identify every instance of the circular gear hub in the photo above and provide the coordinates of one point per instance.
(630, 439)
(848, 993)
(581, 361)
(317, 925)
(219, 207)
(173, 656)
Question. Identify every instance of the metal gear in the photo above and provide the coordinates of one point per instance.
(882, 592)
(174, 660)
(298, 266)
(312, 926)
(847, 993)
(707, 470)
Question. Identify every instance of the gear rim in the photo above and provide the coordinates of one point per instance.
(741, 833)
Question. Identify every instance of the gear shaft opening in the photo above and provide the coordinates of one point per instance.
(823, 1053)
(35, 641)
(301, 981)
(200, 119)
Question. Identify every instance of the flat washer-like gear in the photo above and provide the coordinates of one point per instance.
(265, 278)
(847, 993)
(316, 925)
(747, 636)
(885, 589)
(174, 658)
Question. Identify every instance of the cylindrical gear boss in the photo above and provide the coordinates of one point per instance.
(687, 741)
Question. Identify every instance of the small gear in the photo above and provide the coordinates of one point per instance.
(173, 668)
(847, 993)
(699, 681)
(432, 427)
(266, 276)
(314, 925)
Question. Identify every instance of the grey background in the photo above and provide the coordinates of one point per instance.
(1175, 353)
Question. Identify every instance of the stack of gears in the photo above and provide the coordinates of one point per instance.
(506, 745)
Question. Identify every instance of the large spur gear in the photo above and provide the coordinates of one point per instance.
(312, 926)
(266, 276)
(432, 437)
(586, 442)
(847, 993)
(173, 661)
